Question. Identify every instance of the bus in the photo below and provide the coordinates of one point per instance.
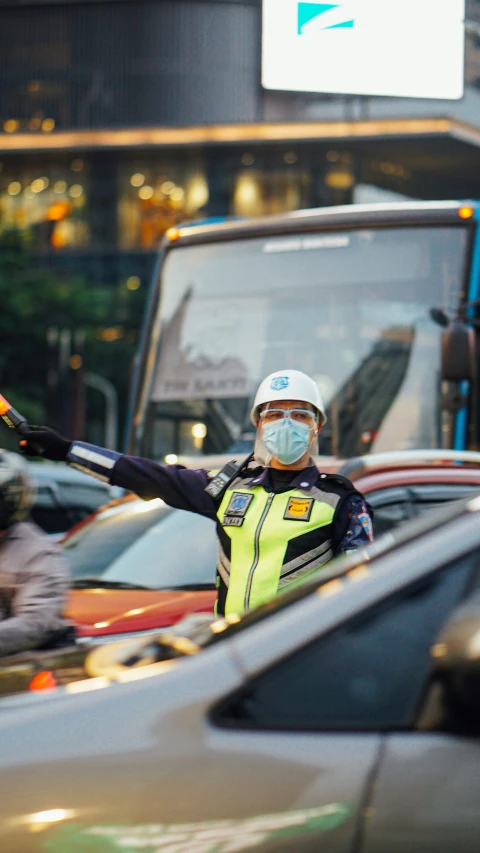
(363, 298)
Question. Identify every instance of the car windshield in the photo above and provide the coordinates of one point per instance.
(350, 308)
(147, 544)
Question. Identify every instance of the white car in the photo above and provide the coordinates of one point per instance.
(343, 717)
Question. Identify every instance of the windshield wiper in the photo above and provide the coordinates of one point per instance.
(91, 583)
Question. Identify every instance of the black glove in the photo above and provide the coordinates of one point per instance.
(43, 441)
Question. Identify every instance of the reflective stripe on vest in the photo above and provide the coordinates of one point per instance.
(259, 545)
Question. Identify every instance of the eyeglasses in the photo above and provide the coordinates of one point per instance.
(302, 416)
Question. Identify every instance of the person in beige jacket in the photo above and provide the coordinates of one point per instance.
(34, 576)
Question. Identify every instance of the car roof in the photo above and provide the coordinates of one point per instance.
(360, 466)
(434, 475)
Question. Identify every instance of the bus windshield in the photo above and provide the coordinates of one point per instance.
(350, 308)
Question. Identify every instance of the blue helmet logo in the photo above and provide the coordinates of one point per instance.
(279, 383)
(239, 502)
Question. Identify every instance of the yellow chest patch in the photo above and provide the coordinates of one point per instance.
(298, 509)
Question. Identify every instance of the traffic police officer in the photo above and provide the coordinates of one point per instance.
(276, 523)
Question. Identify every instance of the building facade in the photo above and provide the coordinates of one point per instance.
(120, 118)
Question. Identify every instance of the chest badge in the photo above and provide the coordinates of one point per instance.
(299, 509)
(236, 509)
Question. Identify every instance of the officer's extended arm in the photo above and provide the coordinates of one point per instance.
(177, 486)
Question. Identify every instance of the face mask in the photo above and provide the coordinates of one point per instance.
(287, 440)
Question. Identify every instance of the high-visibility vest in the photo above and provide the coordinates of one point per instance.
(268, 541)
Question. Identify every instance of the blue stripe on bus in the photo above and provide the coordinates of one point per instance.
(460, 434)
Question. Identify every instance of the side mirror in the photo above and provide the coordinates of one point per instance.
(458, 352)
(456, 658)
(439, 316)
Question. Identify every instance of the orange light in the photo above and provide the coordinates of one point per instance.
(75, 362)
(58, 211)
(43, 681)
(4, 406)
(173, 234)
(48, 124)
(466, 212)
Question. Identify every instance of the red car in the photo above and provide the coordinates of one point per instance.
(139, 566)
(400, 485)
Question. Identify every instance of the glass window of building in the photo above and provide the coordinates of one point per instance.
(260, 192)
(472, 44)
(47, 198)
(157, 192)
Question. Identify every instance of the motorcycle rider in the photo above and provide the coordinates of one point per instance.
(277, 522)
(33, 574)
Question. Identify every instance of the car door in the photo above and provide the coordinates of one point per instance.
(249, 744)
(305, 738)
(427, 793)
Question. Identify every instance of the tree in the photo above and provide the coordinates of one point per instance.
(35, 300)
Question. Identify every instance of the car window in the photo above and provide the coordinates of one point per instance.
(83, 494)
(58, 506)
(58, 519)
(390, 508)
(400, 503)
(366, 675)
(428, 495)
(145, 543)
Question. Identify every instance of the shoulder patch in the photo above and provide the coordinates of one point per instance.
(237, 509)
(366, 523)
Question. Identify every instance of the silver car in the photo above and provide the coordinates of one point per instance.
(64, 496)
(344, 717)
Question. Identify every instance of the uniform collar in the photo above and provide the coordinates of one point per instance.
(305, 479)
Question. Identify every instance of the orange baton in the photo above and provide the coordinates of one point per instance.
(11, 417)
(14, 420)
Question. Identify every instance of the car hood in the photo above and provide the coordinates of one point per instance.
(100, 612)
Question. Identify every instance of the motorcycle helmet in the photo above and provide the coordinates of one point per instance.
(17, 492)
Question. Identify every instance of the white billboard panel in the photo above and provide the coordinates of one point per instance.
(391, 48)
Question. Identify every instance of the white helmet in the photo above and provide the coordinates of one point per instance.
(288, 385)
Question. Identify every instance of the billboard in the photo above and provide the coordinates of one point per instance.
(390, 48)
